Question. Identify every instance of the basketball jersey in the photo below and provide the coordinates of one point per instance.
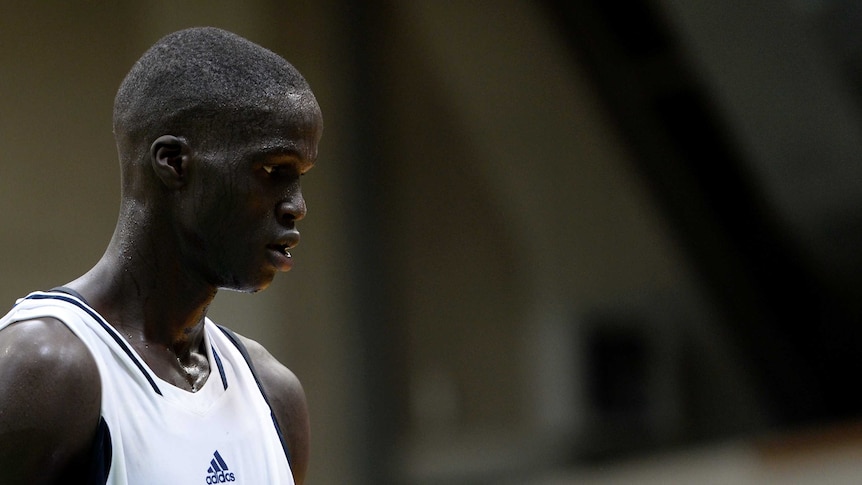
(152, 432)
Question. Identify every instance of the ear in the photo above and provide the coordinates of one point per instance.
(170, 158)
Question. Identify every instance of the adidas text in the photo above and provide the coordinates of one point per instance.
(220, 477)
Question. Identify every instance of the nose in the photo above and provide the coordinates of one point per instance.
(291, 209)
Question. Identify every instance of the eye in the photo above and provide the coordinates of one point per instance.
(280, 168)
(275, 168)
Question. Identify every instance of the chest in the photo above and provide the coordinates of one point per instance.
(160, 433)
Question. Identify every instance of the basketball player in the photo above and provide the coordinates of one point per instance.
(119, 377)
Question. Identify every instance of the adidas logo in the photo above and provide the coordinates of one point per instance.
(218, 471)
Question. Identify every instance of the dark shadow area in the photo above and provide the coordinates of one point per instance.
(795, 320)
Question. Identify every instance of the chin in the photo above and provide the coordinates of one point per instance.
(249, 285)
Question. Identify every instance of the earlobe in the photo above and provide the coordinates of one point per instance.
(170, 158)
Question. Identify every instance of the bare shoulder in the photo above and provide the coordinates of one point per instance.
(50, 404)
(287, 398)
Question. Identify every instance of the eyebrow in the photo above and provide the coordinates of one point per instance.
(288, 152)
(277, 150)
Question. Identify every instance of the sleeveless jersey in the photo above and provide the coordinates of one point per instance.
(152, 432)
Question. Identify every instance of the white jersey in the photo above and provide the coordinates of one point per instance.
(155, 433)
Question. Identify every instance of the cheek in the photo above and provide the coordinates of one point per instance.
(207, 212)
(231, 221)
(215, 197)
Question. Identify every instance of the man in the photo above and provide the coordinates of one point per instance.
(118, 377)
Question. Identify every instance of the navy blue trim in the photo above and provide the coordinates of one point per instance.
(242, 350)
(107, 328)
(100, 456)
(220, 368)
(63, 289)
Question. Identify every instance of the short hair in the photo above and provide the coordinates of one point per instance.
(198, 82)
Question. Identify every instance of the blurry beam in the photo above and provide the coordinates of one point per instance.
(770, 302)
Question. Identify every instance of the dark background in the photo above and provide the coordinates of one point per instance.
(546, 239)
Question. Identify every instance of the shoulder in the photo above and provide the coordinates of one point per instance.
(51, 400)
(42, 357)
(287, 398)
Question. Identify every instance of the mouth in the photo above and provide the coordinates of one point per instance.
(280, 250)
(283, 249)
(280, 256)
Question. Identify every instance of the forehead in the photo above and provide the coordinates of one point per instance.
(296, 113)
(292, 125)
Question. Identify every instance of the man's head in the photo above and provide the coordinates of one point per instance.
(204, 84)
(213, 133)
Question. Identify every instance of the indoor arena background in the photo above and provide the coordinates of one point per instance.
(548, 242)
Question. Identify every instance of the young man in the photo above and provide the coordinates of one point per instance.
(118, 377)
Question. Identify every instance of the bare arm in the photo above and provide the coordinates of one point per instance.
(50, 397)
(287, 399)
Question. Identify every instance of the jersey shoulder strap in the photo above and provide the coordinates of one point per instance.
(244, 351)
(69, 291)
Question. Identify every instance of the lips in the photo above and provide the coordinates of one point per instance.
(280, 250)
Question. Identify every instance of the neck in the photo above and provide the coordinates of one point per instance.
(145, 293)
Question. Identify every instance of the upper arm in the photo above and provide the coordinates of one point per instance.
(287, 399)
(50, 400)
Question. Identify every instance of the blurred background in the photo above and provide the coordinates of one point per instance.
(548, 241)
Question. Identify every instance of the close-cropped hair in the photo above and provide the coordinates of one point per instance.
(196, 83)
